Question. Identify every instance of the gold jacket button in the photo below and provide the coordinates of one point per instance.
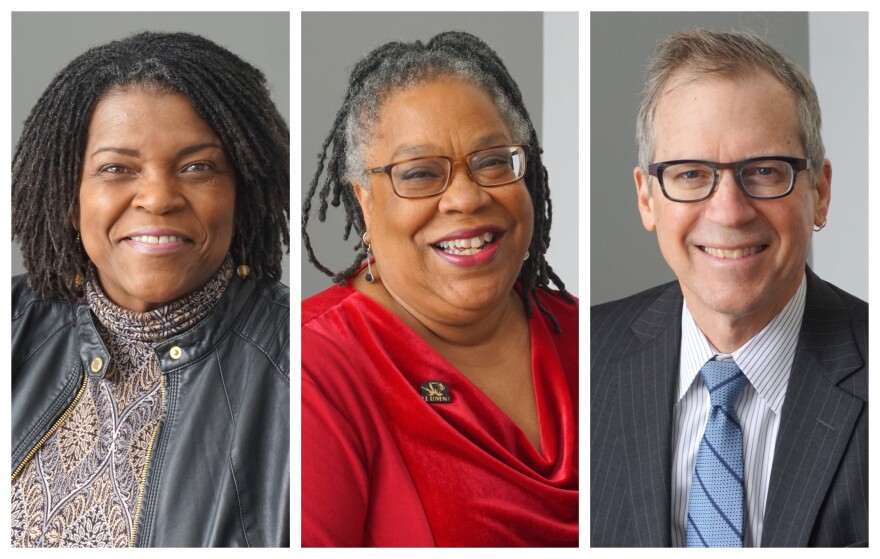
(97, 363)
(175, 352)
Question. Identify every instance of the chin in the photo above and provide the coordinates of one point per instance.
(732, 302)
(476, 297)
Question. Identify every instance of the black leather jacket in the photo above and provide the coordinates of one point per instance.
(219, 469)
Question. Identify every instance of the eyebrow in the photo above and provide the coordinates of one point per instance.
(198, 147)
(414, 150)
(180, 153)
(490, 140)
(123, 151)
(417, 150)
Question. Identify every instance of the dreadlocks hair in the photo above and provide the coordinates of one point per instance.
(397, 66)
(225, 91)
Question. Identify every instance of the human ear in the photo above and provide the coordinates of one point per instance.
(822, 193)
(645, 199)
(74, 217)
(365, 198)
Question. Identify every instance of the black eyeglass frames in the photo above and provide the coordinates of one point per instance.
(762, 178)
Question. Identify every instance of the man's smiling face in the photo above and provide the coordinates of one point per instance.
(734, 256)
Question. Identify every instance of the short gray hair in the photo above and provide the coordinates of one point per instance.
(728, 54)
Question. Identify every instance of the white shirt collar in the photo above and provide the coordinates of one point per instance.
(766, 359)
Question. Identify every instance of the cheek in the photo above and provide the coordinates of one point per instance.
(519, 205)
(528, 218)
(793, 219)
(96, 212)
(673, 225)
(225, 224)
(673, 222)
(793, 228)
(400, 221)
(224, 216)
(216, 210)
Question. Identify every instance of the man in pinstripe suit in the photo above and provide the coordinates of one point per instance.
(733, 180)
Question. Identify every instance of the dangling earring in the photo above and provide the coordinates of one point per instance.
(243, 270)
(78, 278)
(369, 277)
(526, 257)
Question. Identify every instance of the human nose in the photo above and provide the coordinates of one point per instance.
(158, 193)
(729, 204)
(462, 194)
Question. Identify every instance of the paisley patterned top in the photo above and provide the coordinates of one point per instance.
(82, 488)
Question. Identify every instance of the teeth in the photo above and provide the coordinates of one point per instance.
(466, 247)
(732, 254)
(157, 240)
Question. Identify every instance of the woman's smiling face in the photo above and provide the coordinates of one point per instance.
(413, 239)
(156, 199)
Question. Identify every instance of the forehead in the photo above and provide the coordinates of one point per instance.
(437, 112)
(725, 116)
(141, 109)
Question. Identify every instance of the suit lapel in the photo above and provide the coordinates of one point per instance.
(646, 393)
(818, 419)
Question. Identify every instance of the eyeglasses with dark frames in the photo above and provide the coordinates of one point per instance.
(428, 176)
(761, 178)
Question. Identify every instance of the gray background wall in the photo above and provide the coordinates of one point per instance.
(624, 258)
(839, 67)
(333, 42)
(43, 43)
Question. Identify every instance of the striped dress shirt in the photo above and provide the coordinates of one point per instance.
(766, 361)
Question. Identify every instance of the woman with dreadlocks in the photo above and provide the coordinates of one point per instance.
(150, 358)
(439, 382)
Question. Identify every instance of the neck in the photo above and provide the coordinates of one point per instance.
(473, 329)
(728, 332)
(724, 335)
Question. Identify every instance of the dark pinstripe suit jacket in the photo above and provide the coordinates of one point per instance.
(818, 493)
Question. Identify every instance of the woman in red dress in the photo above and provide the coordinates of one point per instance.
(439, 376)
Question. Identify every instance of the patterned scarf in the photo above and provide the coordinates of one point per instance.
(82, 488)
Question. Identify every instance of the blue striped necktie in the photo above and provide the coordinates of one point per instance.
(715, 509)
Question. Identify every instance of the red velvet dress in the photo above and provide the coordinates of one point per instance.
(381, 466)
